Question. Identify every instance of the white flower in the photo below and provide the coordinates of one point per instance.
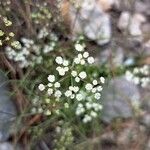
(66, 69)
(79, 110)
(68, 93)
(90, 60)
(51, 78)
(136, 71)
(58, 94)
(77, 79)
(79, 47)
(99, 88)
(79, 97)
(61, 72)
(85, 54)
(47, 113)
(33, 110)
(128, 75)
(57, 85)
(87, 119)
(82, 75)
(41, 87)
(59, 60)
(97, 96)
(76, 60)
(65, 62)
(93, 114)
(72, 96)
(93, 90)
(102, 80)
(88, 105)
(75, 89)
(80, 56)
(94, 82)
(74, 73)
(50, 91)
(40, 110)
(88, 86)
(82, 62)
(136, 80)
(66, 105)
(49, 84)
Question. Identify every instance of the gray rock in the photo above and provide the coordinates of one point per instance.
(92, 21)
(117, 56)
(142, 7)
(119, 97)
(145, 120)
(6, 146)
(7, 109)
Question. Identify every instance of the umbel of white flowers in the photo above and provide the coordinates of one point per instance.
(86, 97)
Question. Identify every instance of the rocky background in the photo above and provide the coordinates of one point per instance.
(125, 26)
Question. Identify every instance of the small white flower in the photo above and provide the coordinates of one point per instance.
(93, 114)
(99, 88)
(66, 105)
(49, 84)
(136, 80)
(71, 88)
(97, 96)
(88, 86)
(75, 89)
(85, 54)
(87, 119)
(90, 60)
(47, 113)
(82, 62)
(77, 79)
(50, 91)
(79, 97)
(66, 69)
(58, 94)
(82, 75)
(61, 72)
(41, 87)
(80, 105)
(93, 90)
(95, 82)
(77, 61)
(88, 106)
(33, 110)
(80, 56)
(59, 60)
(72, 96)
(51, 78)
(79, 47)
(65, 62)
(74, 73)
(40, 110)
(68, 93)
(57, 85)
(102, 80)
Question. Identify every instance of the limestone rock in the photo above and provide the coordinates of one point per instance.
(119, 97)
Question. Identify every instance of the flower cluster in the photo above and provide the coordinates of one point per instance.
(63, 65)
(23, 55)
(41, 12)
(6, 36)
(139, 75)
(64, 138)
(28, 52)
(71, 85)
(83, 56)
